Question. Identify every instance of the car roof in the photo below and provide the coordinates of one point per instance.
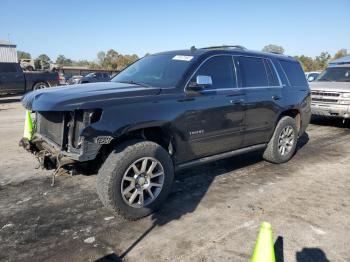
(343, 61)
(224, 50)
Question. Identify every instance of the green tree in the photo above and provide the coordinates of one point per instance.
(322, 60)
(273, 49)
(101, 57)
(44, 58)
(63, 61)
(23, 55)
(113, 60)
(307, 63)
(84, 63)
(340, 53)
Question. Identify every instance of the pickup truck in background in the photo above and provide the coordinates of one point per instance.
(14, 80)
(330, 92)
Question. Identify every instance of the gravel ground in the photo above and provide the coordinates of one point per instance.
(212, 214)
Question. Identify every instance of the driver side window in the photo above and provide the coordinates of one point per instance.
(221, 70)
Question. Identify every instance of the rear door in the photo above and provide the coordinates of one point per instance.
(11, 78)
(215, 122)
(257, 76)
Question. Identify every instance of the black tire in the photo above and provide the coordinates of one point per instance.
(272, 152)
(111, 173)
(40, 85)
(30, 68)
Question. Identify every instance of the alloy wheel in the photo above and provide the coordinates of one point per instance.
(286, 140)
(142, 182)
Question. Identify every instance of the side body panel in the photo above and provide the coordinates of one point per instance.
(11, 78)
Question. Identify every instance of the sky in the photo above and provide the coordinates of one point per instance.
(79, 29)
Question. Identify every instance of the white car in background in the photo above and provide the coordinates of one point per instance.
(311, 76)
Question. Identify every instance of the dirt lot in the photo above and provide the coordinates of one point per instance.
(213, 213)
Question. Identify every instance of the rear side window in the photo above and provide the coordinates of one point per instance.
(271, 74)
(294, 73)
(253, 72)
(8, 68)
(221, 70)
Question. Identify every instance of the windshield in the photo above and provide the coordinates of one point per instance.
(155, 70)
(90, 75)
(335, 74)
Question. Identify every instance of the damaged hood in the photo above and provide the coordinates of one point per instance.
(330, 86)
(85, 96)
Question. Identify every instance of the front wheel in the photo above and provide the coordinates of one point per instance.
(283, 142)
(135, 179)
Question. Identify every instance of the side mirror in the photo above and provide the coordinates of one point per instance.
(311, 78)
(201, 83)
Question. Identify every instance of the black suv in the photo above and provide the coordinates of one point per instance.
(169, 111)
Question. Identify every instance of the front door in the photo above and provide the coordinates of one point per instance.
(215, 122)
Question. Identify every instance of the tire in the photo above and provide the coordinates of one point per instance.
(40, 85)
(114, 176)
(274, 151)
(30, 68)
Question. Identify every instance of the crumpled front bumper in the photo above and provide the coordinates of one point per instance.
(50, 156)
(330, 110)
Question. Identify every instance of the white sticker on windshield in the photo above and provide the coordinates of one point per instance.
(183, 57)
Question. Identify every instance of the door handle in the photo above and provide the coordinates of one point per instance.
(276, 97)
(236, 101)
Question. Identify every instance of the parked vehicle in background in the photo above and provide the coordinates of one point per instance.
(14, 80)
(74, 80)
(95, 77)
(331, 91)
(170, 111)
(61, 79)
(311, 76)
(37, 65)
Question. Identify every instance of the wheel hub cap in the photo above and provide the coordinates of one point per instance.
(142, 182)
(286, 140)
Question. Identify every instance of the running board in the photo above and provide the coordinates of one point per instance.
(208, 159)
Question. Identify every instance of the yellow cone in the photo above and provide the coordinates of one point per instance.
(28, 126)
(264, 251)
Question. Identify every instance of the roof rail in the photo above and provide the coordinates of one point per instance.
(225, 47)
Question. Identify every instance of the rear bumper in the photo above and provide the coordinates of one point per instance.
(330, 110)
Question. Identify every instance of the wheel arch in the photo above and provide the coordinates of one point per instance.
(156, 133)
(294, 113)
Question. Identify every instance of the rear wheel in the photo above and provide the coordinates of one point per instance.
(282, 144)
(135, 179)
(40, 85)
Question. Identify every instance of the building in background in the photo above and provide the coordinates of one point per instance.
(8, 52)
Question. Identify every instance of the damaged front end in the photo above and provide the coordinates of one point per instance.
(57, 140)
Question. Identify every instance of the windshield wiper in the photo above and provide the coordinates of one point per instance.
(135, 83)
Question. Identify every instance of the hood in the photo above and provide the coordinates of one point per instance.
(330, 86)
(85, 96)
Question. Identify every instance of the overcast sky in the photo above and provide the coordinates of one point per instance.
(79, 29)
